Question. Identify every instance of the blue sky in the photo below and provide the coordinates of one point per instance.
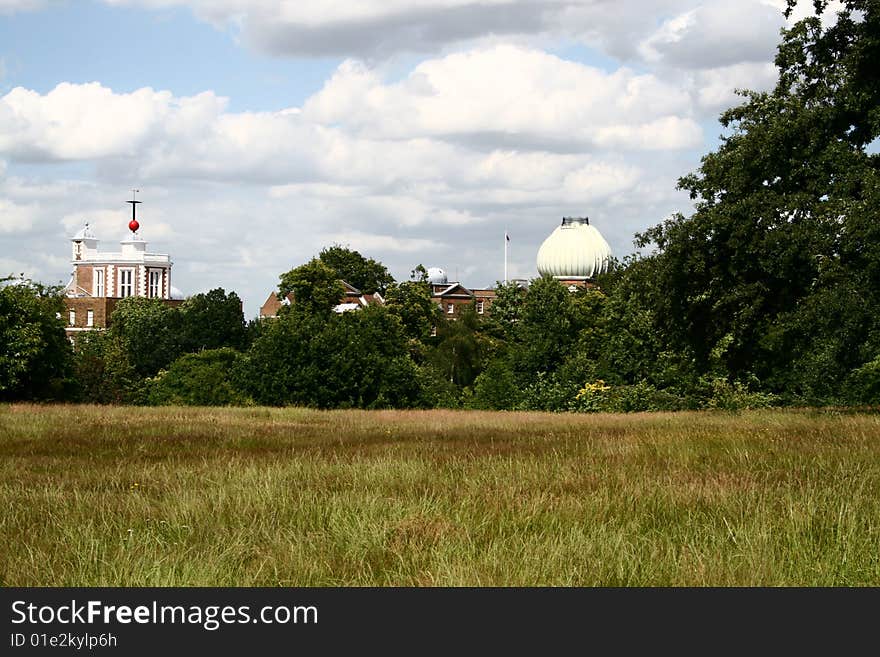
(414, 132)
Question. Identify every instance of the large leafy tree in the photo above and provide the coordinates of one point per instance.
(366, 274)
(35, 355)
(148, 334)
(353, 359)
(212, 320)
(786, 219)
(316, 287)
(411, 302)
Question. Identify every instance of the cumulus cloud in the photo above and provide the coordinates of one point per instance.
(716, 34)
(88, 121)
(626, 29)
(715, 88)
(453, 119)
(548, 102)
(16, 218)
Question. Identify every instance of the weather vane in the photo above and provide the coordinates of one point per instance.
(133, 225)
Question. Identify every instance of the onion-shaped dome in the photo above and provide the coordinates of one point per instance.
(575, 250)
(437, 276)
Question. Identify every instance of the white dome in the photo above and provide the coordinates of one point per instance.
(436, 276)
(575, 250)
(85, 233)
(176, 294)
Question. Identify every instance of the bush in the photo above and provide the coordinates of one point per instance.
(546, 393)
(495, 388)
(863, 384)
(201, 379)
(735, 396)
(436, 391)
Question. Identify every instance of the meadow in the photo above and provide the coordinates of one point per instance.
(123, 496)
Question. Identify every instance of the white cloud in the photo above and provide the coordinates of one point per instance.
(380, 28)
(16, 218)
(373, 243)
(88, 121)
(716, 34)
(715, 88)
(494, 94)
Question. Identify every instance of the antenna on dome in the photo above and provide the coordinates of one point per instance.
(133, 225)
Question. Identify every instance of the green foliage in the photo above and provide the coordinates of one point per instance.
(213, 320)
(199, 379)
(148, 333)
(437, 391)
(496, 388)
(354, 359)
(775, 274)
(365, 274)
(545, 328)
(735, 396)
(863, 384)
(411, 302)
(35, 355)
(102, 370)
(547, 392)
(461, 348)
(315, 286)
(508, 301)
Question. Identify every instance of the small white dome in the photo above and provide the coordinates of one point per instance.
(176, 294)
(85, 233)
(437, 276)
(574, 250)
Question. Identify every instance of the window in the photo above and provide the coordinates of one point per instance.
(450, 308)
(479, 307)
(433, 331)
(99, 282)
(126, 282)
(90, 318)
(155, 283)
(71, 317)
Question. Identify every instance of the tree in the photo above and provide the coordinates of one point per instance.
(212, 320)
(148, 333)
(785, 221)
(545, 329)
(411, 302)
(461, 350)
(316, 287)
(353, 359)
(366, 274)
(35, 355)
(507, 304)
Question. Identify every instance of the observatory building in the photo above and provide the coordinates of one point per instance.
(574, 253)
(101, 278)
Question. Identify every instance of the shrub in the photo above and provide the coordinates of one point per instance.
(201, 379)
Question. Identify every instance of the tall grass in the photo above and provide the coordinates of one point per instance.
(108, 496)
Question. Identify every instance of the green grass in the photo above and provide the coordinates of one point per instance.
(115, 496)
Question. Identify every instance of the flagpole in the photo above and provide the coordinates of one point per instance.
(505, 256)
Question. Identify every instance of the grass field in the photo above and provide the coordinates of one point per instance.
(113, 496)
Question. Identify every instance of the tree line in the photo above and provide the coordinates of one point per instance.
(767, 294)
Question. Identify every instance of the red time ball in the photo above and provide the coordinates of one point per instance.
(133, 225)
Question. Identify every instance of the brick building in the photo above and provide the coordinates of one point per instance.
(352, 299)
(451, 296)
(101, 278)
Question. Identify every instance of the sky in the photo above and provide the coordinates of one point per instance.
(413, 131)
